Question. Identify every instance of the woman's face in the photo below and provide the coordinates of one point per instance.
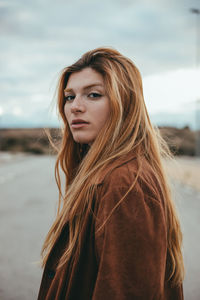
(86, 105)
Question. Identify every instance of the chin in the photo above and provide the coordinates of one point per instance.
(83, 140)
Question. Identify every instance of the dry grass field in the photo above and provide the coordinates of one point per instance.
(35, 140)
(29, 140)
(185, 170)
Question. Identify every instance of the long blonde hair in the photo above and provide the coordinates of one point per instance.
(128, 130)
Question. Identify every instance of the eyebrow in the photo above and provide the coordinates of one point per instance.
(85, 87)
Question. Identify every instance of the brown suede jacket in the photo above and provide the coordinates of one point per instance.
(127, 259)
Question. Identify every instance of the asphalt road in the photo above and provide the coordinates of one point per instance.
(28, 196)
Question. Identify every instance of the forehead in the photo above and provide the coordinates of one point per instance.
(84, 78)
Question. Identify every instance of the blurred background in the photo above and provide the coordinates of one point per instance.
(38, 38)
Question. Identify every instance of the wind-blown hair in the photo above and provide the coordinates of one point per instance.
(128, 130)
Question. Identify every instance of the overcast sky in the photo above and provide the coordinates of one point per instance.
(40, 37)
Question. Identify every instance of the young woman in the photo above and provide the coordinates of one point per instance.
(116, 234)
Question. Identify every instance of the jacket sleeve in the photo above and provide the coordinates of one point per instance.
(131, 247)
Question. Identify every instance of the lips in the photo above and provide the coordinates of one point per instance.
(78, 123)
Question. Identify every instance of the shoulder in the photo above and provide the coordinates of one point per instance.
(125, 197)
(120, 177)
(122, 187)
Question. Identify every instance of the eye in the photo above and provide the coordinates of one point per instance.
(94, 95)
(69, 98)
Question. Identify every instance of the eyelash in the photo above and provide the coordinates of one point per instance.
(67, 98)
(71, 97)
(96, 95)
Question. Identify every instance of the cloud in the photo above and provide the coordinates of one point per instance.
(174, 91)
(39, 38)
(1, 111)
(157, 34)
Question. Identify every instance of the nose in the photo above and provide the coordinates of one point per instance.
(77, 105)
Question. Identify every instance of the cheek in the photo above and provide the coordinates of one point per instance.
(103, 115)
(106, 111)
